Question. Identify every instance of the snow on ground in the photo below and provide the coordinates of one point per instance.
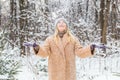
(107, 76)
(25, 74)
(93, 75)
(28, 74)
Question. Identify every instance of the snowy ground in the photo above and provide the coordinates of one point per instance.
(28, 74)
(29, 71)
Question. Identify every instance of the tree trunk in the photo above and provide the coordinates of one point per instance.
(46, 14)
(23, 23)
(113, 20)
(0, 12)
(104, 31)
(87, 6)
(13, 26)
(104, 19)
(102, 4)
(96, 13)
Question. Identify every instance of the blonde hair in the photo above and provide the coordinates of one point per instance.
(68, 32)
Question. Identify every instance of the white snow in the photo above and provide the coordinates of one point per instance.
(28, 73)
(25, 74)
(107, 77)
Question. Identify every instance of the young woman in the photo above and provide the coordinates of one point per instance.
(61, 49)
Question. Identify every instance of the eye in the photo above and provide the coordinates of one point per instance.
(58, 22)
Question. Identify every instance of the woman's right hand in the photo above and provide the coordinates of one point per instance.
(92, 47)
(36, 49)
(34, 45)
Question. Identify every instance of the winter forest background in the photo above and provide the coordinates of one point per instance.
(92, 21)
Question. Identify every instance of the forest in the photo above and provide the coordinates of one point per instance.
(92, 21)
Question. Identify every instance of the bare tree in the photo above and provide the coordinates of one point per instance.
(0, 12)
(102, 5)
(87, 8)
(104, 13)
(13, 15)
(114, 19)
(23, 22)
(96, 12)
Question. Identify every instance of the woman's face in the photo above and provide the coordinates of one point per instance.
(61, 25)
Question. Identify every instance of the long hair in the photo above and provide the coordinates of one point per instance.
(68, 32)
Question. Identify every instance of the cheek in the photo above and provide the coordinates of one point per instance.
(65, 26)
(58, 27)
